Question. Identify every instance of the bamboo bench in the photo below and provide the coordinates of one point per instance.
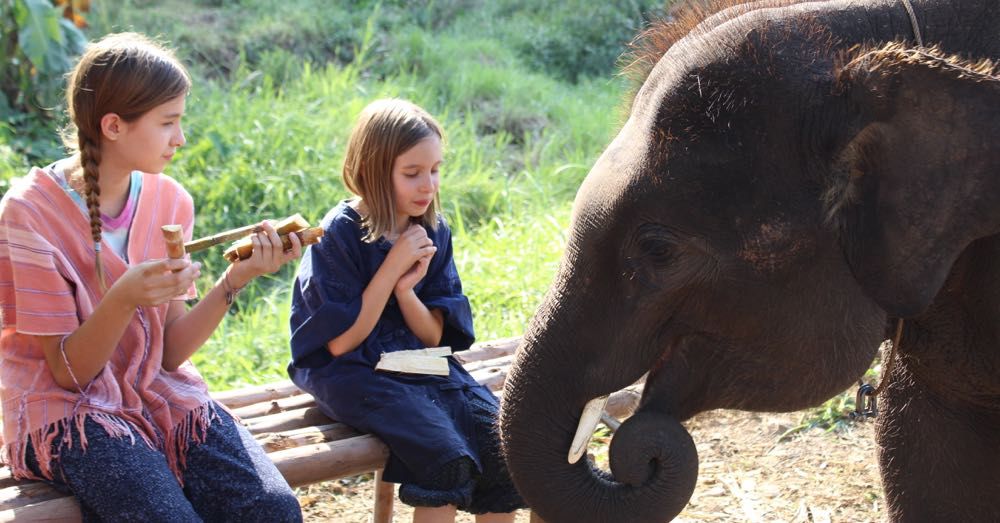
(305, 445)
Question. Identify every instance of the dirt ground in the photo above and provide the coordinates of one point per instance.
(748, 473)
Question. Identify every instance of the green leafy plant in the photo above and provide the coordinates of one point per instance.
(39, 42)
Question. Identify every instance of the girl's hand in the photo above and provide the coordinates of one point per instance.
(155, 282)
(268, 255)
(410, 247)
(410, 278)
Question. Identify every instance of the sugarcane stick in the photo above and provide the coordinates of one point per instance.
(244, 248)
(173, 235)
(223, 237)
(292, 223)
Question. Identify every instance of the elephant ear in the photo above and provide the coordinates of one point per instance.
(919, 178)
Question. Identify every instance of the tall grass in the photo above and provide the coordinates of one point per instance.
(276, 94)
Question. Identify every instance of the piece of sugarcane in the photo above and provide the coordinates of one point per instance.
(294, 222)
(242, 249)
(174, 236)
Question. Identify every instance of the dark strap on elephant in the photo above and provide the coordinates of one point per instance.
(866, 401)
(913, 22)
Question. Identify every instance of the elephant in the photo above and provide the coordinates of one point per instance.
(792, 180)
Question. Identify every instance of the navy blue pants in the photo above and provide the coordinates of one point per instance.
(228, 477)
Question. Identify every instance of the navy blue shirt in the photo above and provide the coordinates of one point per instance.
(423, 419)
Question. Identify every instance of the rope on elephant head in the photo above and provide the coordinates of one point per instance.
(887, 372)
(913, 22)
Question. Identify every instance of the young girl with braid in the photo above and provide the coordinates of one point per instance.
(99, 397)
(382, 280)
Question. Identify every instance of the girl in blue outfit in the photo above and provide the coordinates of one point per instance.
(383, 279)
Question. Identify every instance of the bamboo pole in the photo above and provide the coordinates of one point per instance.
(292, 419)
(275, 441)
(336, 459)
(265, 408)
(256, 394)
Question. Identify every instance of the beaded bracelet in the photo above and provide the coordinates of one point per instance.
(231, 291)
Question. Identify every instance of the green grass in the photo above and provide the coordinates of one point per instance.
(527, 96)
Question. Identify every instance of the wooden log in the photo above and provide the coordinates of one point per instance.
(26, 494)
(274, 406)
(492, 377)
(275, 441)
(62, 510)
(488, 350)
(7, 478)
(292, 419)
(256, 394)
(336, 459)
(385, 497)
(502, 361)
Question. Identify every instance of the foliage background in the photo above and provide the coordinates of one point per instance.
(526, 91)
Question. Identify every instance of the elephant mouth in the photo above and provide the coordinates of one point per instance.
(593, 409)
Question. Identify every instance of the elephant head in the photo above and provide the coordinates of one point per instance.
(787, 180)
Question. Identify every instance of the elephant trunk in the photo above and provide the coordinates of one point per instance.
(653, 460)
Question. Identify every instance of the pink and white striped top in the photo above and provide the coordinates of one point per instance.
(48, 286)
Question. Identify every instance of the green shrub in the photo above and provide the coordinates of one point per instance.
(37, 46)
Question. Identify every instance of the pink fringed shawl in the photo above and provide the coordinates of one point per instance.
(48, 286)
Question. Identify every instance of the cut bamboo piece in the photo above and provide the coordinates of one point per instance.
(173, 235)
(256, 394)
(242, 249)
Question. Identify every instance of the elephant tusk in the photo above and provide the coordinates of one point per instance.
(588, 421)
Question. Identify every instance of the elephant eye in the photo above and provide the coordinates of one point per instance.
(655, 242)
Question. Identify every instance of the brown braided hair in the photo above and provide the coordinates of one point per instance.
(127, 74)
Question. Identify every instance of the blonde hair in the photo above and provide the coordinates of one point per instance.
(385, 129)
(126, 74)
